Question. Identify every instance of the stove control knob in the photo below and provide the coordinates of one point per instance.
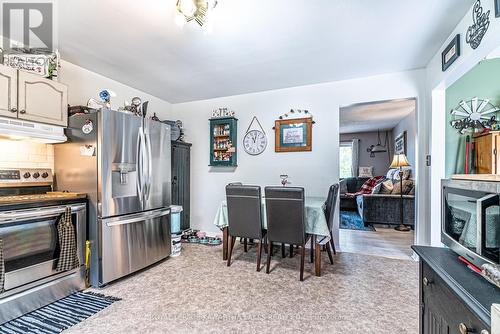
(45, 175)
(27, 175)
(36, 175)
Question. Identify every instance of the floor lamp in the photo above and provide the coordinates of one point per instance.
(400, 161)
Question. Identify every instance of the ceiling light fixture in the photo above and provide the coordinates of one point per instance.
(198, 10)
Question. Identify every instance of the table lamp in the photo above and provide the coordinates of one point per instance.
(400, 161)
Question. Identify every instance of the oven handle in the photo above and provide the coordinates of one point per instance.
(15, 215)
(136, 218)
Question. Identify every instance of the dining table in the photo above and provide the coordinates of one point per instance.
(315, 223)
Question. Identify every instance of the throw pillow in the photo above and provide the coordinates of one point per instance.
(407, 186)
(366, 171)
(412, 191)
(387, 187)
(391, 173)
(377, 188)
(406, 174)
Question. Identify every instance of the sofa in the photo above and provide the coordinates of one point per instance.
(376, 208)
(350, 185)
(386, 208)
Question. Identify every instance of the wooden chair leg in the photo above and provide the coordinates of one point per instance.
(332, 242)
(224, 243)
(268, 264)
(265, 244)
(302, 259)
(283, 251)
(291, 251)
(313, 241)
(231, 246)
(259, 254)
(328, 250)
(245, 245)
(317, 263)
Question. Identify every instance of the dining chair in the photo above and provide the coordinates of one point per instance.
(330, 205)
(244, 216)
(285, 212)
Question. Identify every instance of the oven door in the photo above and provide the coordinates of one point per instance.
(31, 245)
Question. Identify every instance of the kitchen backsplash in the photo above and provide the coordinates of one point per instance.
(25, 154)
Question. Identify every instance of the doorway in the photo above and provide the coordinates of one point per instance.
(372, 189)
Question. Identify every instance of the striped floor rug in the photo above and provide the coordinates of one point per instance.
(60, 315)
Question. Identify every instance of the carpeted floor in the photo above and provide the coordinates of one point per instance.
(351, 220)
(197, 293)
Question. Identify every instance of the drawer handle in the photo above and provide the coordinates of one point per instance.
(13, 110)
(427, 281)
(22, 111)
(462, 328)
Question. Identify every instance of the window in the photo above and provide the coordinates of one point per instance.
(345, 159)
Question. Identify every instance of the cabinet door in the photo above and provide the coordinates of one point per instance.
(42, 100)
(8, 91)
(484, 154)
(497, 153)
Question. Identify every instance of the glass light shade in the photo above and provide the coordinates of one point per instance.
(187, 7)
(399, 160)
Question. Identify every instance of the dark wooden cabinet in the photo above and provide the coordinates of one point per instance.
(453, 299)
(181, 162)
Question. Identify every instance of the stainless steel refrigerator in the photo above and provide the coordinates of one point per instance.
(122, 162)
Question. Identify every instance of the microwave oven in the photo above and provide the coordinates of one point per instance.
(470, 222)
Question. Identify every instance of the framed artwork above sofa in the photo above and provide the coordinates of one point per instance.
(400, 143)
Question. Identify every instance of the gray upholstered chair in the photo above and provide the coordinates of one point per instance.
(330, 205)
(286, 220)
(244, 217)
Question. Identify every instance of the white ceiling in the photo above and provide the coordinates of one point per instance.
(373, 116)
(255, 45)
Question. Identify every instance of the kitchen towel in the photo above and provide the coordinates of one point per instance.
(2, 267)
(68, 258)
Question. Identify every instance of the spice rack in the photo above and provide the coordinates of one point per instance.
(223, 141)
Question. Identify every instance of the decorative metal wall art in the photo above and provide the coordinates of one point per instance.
(222, 112)
(450, 53)
(474, 114)
(479, 27)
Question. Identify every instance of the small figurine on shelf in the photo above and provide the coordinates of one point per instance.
(105, 96)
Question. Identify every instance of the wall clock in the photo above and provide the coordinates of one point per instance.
(255, 141)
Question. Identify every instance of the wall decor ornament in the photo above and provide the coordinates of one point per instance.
(479, 27)
(222, 112)
(450, 53)
(475, 114)
(255, 140)
(293, 135)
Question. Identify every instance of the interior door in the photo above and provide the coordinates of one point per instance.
(158, 185)
(121, 150)
(42, 100)
(8, 91)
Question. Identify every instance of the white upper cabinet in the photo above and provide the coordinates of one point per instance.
(31, 97)
(42, 100)
(8, 91)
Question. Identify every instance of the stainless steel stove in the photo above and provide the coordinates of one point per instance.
(29, 213)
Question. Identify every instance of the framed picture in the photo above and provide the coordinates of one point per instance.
(293, 135)
(450, 53)
(497, 8)
(400, 143)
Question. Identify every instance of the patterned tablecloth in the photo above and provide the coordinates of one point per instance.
(315, 217)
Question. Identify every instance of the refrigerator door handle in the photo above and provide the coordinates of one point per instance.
(149, 164)
(115, 221)
(139, 165)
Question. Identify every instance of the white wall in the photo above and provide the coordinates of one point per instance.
(434, 99)
(84, 84)
(314, 170)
